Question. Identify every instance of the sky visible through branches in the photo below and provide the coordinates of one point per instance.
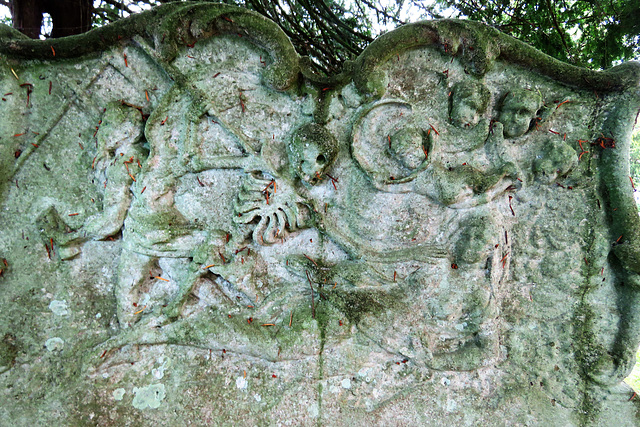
(408, 13)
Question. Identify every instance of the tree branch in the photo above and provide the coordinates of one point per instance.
(383, 12)
(339, 22)
(119, 5)
(557, 27)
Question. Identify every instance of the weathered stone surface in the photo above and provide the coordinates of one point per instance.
(198, 230)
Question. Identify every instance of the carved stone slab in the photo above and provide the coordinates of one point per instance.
(198, 230)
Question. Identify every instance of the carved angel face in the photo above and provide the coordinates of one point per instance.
(312, 150)
(469, 101)
(518, 109)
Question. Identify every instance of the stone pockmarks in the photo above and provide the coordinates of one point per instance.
(443, 231)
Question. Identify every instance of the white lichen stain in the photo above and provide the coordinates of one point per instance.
(313, 410)
(118, 394)
(346, 383)
(451, 405)
(148, 397)
(241, 383)
(369, 405)
(54, 344)
(59, 308)
(159, 372)
(460, 326)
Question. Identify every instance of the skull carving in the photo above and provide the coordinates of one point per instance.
(312, 150)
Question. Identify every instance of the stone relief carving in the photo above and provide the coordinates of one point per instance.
(441, 219)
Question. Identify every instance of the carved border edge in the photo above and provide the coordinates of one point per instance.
(169, 27)
(478, 46)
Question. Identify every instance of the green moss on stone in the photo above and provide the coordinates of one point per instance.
(478, 46)
(355, 303)
(614, 173)
(8, 351)
(168, 28)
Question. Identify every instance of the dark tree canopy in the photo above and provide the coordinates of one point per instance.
(69, 17)
(588, 33)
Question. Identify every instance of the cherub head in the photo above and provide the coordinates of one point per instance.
(469, 101)
(519, 108)
(312, 149)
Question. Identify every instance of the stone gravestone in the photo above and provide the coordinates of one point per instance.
(199, 230)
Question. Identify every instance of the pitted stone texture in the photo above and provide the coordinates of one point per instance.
(195, 233)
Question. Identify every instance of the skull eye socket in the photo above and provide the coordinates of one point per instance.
(321, 160)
